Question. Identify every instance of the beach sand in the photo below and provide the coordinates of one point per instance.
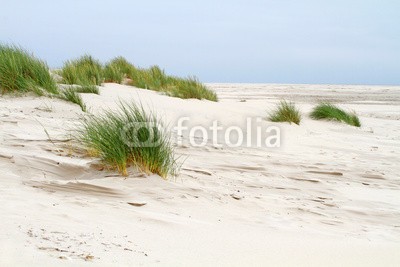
(329, 196)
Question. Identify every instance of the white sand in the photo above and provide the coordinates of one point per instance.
(328, 197)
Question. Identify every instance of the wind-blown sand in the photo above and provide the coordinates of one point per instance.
(328, 197)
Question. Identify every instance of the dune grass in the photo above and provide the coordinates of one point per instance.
(113, 74)
(129, 137)
(190, 88)
(117, 70)
(88, 71)
(71, 95)
(21, 72)
(87, 89)
(329, 111)
(82, 71)
(155, 78)
(285, 112)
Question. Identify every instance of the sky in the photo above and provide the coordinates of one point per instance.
(249, 41)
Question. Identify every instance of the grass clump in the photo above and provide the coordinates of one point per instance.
(118, 69)
(285, 112)
(155, 78)
(71, 95)
(87, 89)
(82, 71)
(130, 137)
(88, 71)
(190, 88)
(329, 111)
(113, 74)
(20, 71)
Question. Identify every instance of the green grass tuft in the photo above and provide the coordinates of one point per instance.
(329, 111)
(115, 139)
(117, 70)
(113, 74)
(87, 89)
(155, 78)
(190, 88)
(285, 112)
(71, 95)
(20, 71)
(82, 71)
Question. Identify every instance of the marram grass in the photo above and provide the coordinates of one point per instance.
(21, 72)
(82, 71)
(285, 112)
(113, 74)
(329, 111)
(87, 89)
(129, 137)
(155, 78)
(190, 88)
(71, 95)
(117, 70)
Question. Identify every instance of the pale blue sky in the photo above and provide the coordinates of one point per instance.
(271, 41)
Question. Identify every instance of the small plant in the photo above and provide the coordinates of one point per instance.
(87, 89)
(20, 71)
(189, 88)
(285, 112)
(329, 111)
(117, 137)
(117, 69)
(82, 71)
(153, 78)
(71, 95)
(113, 74)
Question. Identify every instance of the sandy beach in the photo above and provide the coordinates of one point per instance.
(328, 196)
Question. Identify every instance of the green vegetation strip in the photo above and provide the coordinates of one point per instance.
(129, 137)
(328, 111)
(22, 72)
(285, 112)
(86, 70)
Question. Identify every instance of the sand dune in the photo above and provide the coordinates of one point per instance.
(329, 196)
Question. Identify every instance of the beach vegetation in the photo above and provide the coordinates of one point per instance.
(71, 95)
(128, 137)
(87, 89)
(85, 70)
(154, 78)
(20, 71)
(117, 70)
(328, 111)
(285, 112)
